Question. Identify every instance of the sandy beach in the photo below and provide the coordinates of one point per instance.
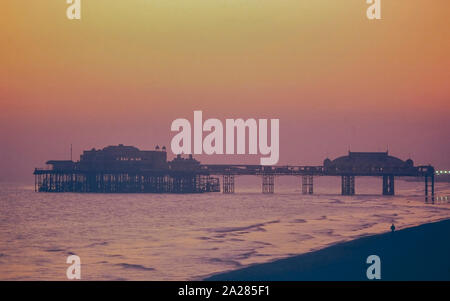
(418, 253)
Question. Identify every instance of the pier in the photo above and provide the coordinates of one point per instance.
(126, 169)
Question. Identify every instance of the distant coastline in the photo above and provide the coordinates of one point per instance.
(418, 253)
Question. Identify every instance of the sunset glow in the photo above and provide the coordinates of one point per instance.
(125, 71)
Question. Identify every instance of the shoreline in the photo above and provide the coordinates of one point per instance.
(418, 253)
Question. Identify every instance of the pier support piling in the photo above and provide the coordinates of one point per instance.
(228, 183)
(125, 182)
(307, 184)
(388, 185)
(348, 185)
(268, 184)
(431, 184)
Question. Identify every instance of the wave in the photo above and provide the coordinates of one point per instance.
(258, 227)
(134, 266)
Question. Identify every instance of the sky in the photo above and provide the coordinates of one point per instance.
(336, 80)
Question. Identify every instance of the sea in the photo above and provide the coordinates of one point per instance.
(193, 236)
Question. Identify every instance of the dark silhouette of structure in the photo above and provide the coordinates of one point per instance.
(128, 169)
(368, 164)
(125, 169)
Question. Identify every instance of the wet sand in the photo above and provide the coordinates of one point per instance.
(417, 253)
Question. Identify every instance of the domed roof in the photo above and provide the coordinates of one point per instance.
(326, 162)
(121, 147)
(375, 159)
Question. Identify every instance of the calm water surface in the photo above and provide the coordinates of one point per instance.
(188, 237)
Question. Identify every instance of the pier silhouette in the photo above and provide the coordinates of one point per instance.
(126, 169)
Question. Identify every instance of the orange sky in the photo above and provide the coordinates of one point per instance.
(128, 68)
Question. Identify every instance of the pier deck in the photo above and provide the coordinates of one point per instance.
(124, 169)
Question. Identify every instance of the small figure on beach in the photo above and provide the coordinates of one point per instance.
(392, 227)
